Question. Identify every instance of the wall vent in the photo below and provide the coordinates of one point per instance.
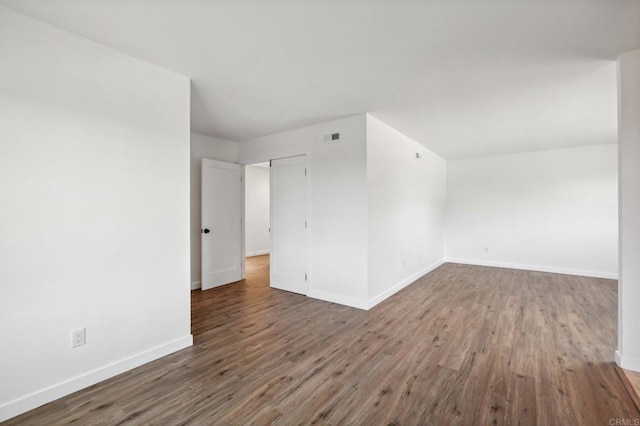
(333, 137)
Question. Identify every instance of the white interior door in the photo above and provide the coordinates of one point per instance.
(289, 240)
(221, 230)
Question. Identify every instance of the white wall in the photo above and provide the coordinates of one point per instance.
(94, 224)
(406, 210)
(215, 149)
(547, 210)
(628, 354)
(256, 196)
(338, 203)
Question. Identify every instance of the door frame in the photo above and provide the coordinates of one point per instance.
(268, 159)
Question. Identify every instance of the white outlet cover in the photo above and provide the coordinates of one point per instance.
(78, 337)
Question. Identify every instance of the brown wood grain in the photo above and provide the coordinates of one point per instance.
(462, 345)
(631, 380)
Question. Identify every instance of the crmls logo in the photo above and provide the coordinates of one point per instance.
(624, 422)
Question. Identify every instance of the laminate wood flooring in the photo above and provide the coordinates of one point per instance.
(631, 379)
(463, 345)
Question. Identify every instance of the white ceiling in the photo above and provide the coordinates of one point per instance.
(464, 78)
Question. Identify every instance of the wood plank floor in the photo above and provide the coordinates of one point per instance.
(631, 379)
(463, 345)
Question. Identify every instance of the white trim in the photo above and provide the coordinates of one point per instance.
(566, 271)
(336, 298)
(632, 364)
(51, 393)
(243, 221)
(402, 284)
(196, 285)
(257, 253)
(366, 305)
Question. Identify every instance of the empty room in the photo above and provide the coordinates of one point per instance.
(320, 212)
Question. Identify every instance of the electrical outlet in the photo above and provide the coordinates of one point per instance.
(486, 249)
(78, 337)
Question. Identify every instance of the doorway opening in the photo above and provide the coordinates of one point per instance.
(255, 210)
(257, 222)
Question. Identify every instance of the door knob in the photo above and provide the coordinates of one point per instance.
(206, 230)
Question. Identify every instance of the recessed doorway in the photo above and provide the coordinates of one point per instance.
(256, 207)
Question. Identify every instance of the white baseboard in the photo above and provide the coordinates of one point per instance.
(196, 285)
(257, 253)
(51, 393)
(336, 298)
(566, 271)
(627, 363)
(368, 304)
(402, 284)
